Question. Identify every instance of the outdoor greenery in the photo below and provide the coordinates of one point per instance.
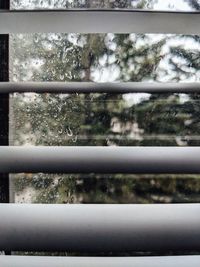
(106, 119)
(139, 4)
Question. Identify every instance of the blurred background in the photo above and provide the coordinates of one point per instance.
(105, 119)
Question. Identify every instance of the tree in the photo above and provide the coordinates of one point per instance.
(104, 119)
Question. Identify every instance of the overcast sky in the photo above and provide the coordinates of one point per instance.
(172, 4)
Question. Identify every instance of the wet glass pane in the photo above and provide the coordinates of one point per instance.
(105, 57)
(105, 119)
(173, 5)
(142, 189)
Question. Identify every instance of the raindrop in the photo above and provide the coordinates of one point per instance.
(36, 39)
(50, 101)
(108, 141)
(75, 139)
(69, 131)
(60, 131)
(62, 76)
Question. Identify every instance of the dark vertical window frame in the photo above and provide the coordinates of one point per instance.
(4, 114)
(4, 104)
(4, 4)
(4, 107)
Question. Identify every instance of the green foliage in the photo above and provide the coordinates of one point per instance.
(103, 119)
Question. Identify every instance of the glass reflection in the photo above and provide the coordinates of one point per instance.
(173, 5)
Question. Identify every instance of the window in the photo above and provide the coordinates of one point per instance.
(104, 119)
(137, 119)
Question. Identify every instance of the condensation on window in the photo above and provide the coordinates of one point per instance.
(105, 119)
(112, 189)
(166, 5)
(105, 57)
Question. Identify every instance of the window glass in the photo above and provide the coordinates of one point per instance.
(105, 119)
(142, 189)
(173, 5)
(105, 57)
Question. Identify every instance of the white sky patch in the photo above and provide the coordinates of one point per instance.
(183, 98)
(172, 5)
(106, 74)
(133, 99)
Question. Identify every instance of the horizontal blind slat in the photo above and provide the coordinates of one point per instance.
(30, 261)
(100, 228)
(79, 159)
(99, 22)
(91, 87)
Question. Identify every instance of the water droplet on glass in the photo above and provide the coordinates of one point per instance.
(36, 39)
(62, 76)
(75, 139)
(60, 131)
(69, 131)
